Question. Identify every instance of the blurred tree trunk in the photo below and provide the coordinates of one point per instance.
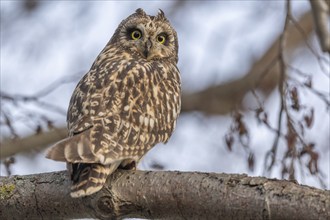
(169, 195)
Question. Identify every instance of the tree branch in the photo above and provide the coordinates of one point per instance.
(321, 13)
(171, 195)
(37, 141)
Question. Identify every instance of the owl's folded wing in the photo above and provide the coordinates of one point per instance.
(77, 148)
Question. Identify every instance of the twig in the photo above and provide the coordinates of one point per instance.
(321, 95)
(7, 122)
(50, 88)
(321, 19)
(272, 153)
(313, 51)
(21, 98)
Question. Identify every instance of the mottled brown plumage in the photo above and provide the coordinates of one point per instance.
(127, 103)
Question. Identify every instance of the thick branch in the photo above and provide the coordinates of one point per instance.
(172, 195)
(321, 13)
(263, 75)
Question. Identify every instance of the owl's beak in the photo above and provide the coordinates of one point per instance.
(147, 48)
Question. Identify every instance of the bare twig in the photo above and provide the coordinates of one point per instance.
(8, 123)
(321, 95)
(34, 99)
(62, 81)
(29, 117)
(281, 87)
(294, 137)
(320, 59)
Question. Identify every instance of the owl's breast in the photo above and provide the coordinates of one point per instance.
(147, 98)
(135, 102)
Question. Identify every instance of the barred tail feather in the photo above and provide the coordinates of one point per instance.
(77, 148)
(89, 178)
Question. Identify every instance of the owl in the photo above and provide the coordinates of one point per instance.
(127, 103)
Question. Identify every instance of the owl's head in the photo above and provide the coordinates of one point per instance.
(152, 37)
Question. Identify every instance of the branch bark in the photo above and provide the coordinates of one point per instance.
(321, 13)
(170, 195)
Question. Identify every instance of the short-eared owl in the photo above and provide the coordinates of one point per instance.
(127, 103)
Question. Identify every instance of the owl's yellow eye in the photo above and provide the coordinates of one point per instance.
(135, 35)
(161, 39)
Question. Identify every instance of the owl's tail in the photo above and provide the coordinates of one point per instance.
(88, 175)
(89, 178)
(75, 149)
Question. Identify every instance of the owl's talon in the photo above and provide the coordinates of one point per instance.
(130, 166)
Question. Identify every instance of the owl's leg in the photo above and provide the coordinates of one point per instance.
(128, 165)
(88, 178)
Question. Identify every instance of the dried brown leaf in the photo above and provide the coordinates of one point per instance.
(50, 125)
(312, 164)
(251, 161)
(229, 141)
(295, 99)
(309, 118)
(291, 138)
(308, 82)
(308, 149)
(284, 171)
(38, 129)
(265, 118)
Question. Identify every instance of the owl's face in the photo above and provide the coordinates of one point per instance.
(151, 37)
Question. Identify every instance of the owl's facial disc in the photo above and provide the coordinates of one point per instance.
(149, 40)
(149, 37)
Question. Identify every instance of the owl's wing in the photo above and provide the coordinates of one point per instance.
(77, 147)
(78, 116)
(172, 102)
(89, 137)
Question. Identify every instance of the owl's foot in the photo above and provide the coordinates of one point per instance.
(128, 166)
